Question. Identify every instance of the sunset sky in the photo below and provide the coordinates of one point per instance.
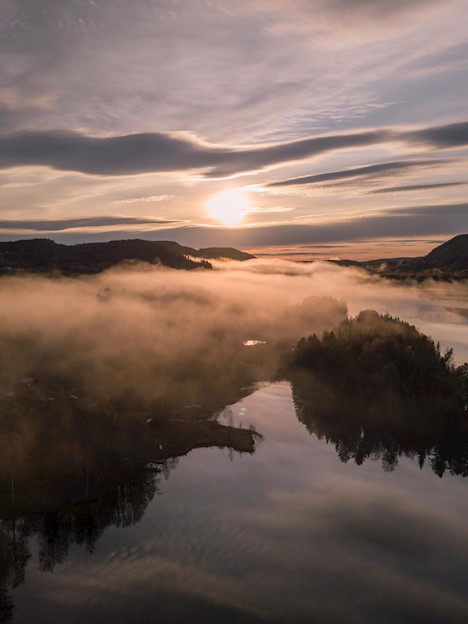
(299, 127)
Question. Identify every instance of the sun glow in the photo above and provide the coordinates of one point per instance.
(229, 207)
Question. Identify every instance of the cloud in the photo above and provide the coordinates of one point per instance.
(379, 7)
(440, 137)
(146, 199)
(159, 152)
(442, 210)
(415, 187)
(56, 225)
(378, 170)
(299, 65)
(347, 18)
(120, 155)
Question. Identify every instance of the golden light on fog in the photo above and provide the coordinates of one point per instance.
(229, 207)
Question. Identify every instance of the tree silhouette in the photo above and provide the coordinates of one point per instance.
(376, 387)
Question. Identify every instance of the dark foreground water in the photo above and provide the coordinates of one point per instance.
(287, 534)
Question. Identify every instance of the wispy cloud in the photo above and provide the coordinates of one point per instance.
(378, 170)
(148, 199)
(415, 187)
(60, 225)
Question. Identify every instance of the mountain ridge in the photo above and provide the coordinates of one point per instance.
(43, 255)
(448, 261)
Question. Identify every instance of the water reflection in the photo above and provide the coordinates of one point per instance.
(286, 534)
(68, 473)
(362, 430)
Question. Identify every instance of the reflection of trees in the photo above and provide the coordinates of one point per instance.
(67, 473)
(14, 555)
(58, 528)
(85, 521)
(377, 388)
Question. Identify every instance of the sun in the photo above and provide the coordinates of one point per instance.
(229, 207)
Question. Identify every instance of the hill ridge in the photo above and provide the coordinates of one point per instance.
(43, 255)
(448, 261)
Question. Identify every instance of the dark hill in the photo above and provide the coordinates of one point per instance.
(447, 262)
(228, 253)
(44, 255)
(453, 253)
(209, 253)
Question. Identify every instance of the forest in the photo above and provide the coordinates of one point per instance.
(376, 387)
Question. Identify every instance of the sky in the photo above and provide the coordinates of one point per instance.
(298, 128)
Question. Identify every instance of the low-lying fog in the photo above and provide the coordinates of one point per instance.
(140, 331)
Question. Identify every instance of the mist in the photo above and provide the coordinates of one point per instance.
(139, 335)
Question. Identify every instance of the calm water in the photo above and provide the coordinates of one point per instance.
(288, 534)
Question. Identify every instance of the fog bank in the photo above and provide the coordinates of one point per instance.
(142, 334)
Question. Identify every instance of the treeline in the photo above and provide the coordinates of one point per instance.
(378, 351)
(375, 386)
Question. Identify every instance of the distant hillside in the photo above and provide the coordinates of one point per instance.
(452, 254)
(228, 253)
(208, 253)
(42, 255)
(447, 262)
